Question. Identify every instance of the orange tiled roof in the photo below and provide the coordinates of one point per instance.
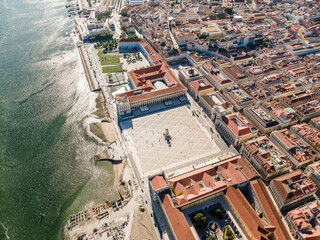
(247, 214)
(238, 124)
(142, 78)
(177, 219)
(294, 192)
(199, 87)
(158, 182)
(192, 185)
(269, 209)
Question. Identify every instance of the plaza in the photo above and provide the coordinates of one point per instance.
(152, 152)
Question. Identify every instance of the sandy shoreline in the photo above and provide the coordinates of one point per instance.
(106, 132)
(104, 129)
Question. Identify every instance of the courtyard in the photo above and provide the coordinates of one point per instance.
(218, 216)
(134, 61)
(187, 143)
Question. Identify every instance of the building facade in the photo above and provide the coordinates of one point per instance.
(236, 128)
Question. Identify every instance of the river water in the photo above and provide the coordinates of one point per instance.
(46, 150)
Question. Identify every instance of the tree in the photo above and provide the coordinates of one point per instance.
(202, 36)
(162, 44)
(216, 213)
(100, 37)
(228, 234)
(229, 11)
(124, 13)
(211, 238)
(199, 220)
(99, 17)
(132, 36)
(265, 42)
(123, 27)
(107, 13)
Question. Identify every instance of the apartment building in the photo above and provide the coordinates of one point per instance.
(218, 79)
(304, 221)
(200, 87)
(238, 97)
(292, 189)
(308, 133)
(236, 128)
(268, 159)
(261, 118)
(284, 115)
(297, 150)
(216, 105)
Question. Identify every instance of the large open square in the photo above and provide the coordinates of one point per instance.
(152, 152)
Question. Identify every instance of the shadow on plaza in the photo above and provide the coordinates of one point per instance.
(125, 122)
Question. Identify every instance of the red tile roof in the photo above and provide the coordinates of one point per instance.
(302, 216)
(177, 219)
(142, 78)
(246, 212)
(267, 154)
(269, 209)
(308, 133)
(300, 186)
(298, 148)
(197, 183)
(158, 182)
(198, 86)
(238, 124)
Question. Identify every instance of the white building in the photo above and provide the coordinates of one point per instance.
(136, 2)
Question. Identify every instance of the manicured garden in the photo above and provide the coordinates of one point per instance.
(111, 69)
(228, 234)
(107, 45)
(133, 57)
(110, 61)
(106, 59)
(101, 37)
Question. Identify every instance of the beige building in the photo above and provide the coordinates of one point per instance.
(213, 31)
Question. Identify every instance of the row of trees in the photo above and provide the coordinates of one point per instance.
(100, 37)
(104, 15)
(108, 44)
(129, 36)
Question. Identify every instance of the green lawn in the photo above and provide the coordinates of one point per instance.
(111, 69)
(108, 56)
(110, 61)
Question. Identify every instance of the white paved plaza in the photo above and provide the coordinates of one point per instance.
(150, 149)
